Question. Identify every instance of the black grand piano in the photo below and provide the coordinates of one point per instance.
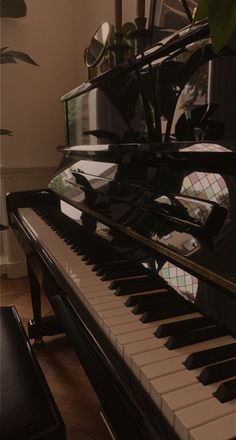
(134, 244)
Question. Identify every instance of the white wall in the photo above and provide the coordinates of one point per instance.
(88, 15)
(30, 95)
(55, 34)
(31, 107)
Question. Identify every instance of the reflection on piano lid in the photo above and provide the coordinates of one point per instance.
(189, 156)
(192, 230)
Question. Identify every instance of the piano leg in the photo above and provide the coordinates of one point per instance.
(39, 326)
(35, 291)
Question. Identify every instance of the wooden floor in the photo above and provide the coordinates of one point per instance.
(70, 387)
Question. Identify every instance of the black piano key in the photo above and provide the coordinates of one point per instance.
(162, 301)
(195, 336)
(117, 274)
(96, 251)
(173, 328)
(209, 356)
(216, 372)
(134, 285)
(121, 267)
(168, 312)
(144, 297)
(226, 391)
(94, 259)
(89, 242)
(91, 248)
(100, 267)
(96, 254)
(107, 265)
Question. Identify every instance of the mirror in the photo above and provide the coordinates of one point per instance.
(98, 44)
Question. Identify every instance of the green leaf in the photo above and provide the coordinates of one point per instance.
(5, 59)
(4, 131)
(128, 27)
(8, 56)
(222, 22)
(202, 10)
(22, 57)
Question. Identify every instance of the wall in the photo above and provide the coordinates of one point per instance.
(31, 105)
(55, 34)
(30, 95)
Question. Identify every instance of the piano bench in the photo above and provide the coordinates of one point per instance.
(28, 410)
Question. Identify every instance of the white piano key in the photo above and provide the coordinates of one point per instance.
(110, 313)
(147, 330)
(105, 299)
(111, 304)
(119, 320)
(152, 356)
(162, 368)
(200, 414)
(135, 336)
(184, 397)
(223, 428)
(171, 382)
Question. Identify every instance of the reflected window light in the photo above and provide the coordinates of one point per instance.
(181, 281)
(208, 186)
(70, 211)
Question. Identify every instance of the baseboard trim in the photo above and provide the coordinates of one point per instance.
(13, 270)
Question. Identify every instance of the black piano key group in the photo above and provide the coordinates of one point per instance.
(152, 298)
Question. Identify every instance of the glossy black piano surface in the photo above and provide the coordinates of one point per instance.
(140, 220)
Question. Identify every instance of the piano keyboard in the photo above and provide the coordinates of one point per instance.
(191, 407)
